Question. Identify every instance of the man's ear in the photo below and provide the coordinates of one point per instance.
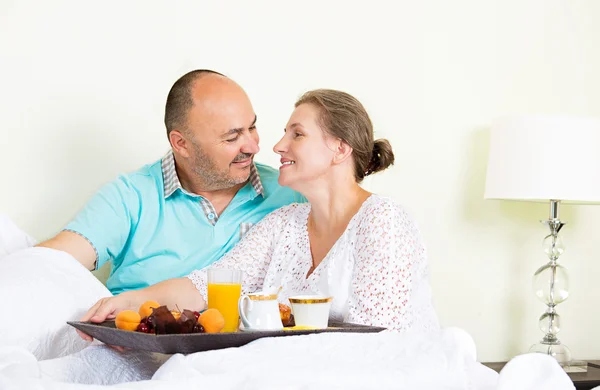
(180, 143)
(342, 152)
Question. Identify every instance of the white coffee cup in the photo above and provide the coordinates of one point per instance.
(261, 312)
(311, 310)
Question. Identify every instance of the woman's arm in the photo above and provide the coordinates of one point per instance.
(252, 255)
(173, 293)
(390, 260)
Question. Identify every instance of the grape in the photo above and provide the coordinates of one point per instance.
(196, 314)
(150, 323)
(143, 328)
(198, 328)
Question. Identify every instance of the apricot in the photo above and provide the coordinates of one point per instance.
(128, 320)
(212, 321)
(146, 308)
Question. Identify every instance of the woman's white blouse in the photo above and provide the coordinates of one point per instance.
(376, 271)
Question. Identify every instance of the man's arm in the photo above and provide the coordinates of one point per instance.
(100, 230)
(75, 245)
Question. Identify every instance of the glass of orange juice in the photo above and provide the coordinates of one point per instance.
(224, 290)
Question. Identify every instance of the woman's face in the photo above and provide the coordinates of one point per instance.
(306, 151)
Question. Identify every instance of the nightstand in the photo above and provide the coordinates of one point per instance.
(582, 380)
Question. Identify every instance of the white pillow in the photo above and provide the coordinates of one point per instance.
(41, 289)
(12, 238)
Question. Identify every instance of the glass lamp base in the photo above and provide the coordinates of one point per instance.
(559, 351)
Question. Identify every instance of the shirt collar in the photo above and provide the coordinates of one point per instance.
(172, 183)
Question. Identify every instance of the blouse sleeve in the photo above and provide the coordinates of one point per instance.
(389, 257)
(251, 255)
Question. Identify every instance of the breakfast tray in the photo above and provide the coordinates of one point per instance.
(197, 342)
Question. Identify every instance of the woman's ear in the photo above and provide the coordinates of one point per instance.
(342, 152)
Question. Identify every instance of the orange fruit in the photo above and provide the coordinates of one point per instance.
(146, 308)
(128, 320)
(212, 321)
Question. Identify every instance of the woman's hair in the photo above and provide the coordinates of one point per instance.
(344, 117)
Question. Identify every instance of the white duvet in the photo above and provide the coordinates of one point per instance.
(43, 288)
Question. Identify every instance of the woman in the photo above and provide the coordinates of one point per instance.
(360, 248)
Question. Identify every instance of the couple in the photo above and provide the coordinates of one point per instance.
(360, 248)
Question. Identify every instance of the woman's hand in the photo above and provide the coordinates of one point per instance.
(172, 293)
(108, 308)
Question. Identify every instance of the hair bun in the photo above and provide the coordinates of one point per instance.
(382, 156)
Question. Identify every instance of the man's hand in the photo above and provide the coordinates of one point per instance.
(108, 308)
(75, 245)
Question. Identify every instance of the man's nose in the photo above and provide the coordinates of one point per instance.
(250, 146)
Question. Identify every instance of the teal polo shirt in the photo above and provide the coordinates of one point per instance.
(152, 229)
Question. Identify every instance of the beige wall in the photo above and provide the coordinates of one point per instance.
(83, 87)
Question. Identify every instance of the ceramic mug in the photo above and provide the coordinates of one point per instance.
(261, 312)
(311, 311)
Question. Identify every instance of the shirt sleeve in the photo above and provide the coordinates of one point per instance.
(252, 255)
(390, 255)
(106, 220)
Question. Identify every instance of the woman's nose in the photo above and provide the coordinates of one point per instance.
(280, 147)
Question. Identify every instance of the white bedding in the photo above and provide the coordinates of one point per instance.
(51, 356)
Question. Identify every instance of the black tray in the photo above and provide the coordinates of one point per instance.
(197, 342)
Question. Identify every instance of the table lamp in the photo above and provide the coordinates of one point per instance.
(555, 160)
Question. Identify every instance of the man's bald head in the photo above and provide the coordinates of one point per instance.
(181, 99)
(211, 127)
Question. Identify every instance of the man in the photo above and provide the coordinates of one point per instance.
(186, 210)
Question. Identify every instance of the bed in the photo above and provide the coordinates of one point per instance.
(38, 350)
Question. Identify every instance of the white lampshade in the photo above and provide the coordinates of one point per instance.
(542, 158)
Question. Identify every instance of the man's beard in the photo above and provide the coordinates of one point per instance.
(211, 175)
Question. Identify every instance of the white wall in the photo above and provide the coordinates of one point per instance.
(83, 86)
